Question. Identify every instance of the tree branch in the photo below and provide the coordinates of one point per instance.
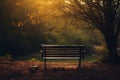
(88, 12)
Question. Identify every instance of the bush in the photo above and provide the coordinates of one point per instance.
(6, 57)
(33, 60)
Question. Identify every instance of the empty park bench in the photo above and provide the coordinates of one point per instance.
(62, 52)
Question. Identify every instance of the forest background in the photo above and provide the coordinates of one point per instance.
(26, 24)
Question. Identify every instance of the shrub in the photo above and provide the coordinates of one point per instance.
(33, 60)
(6, 57)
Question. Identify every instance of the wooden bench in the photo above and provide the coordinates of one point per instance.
(62, 52)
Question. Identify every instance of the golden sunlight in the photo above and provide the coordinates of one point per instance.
(37, 11)
(82, 2)
(67, 1)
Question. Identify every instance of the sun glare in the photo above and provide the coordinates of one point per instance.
(82, 3)
(67, 2)
(35, 10)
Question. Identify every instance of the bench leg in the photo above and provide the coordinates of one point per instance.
(79, 64)
(45, 64)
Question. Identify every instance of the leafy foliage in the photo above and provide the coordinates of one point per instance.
(103, 15)
(26, 24)
(7, 57)
(33, 60)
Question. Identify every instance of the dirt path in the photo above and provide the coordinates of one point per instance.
(21, 70)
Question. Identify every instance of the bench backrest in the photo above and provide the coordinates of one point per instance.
(62, 51)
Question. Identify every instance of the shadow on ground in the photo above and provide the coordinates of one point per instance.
(21, 70)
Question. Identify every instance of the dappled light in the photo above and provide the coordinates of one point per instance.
(29, 23)
(59, 39)
(33, 22)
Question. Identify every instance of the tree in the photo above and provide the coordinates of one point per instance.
(103, 15)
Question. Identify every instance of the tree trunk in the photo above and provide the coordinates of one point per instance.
(109, 32)
(111, 44)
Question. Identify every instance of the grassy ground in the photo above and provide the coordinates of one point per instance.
(23, 70)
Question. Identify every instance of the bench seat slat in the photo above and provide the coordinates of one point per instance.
(64, 58)
(63, 53)
(63, 50)
(63, 46)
